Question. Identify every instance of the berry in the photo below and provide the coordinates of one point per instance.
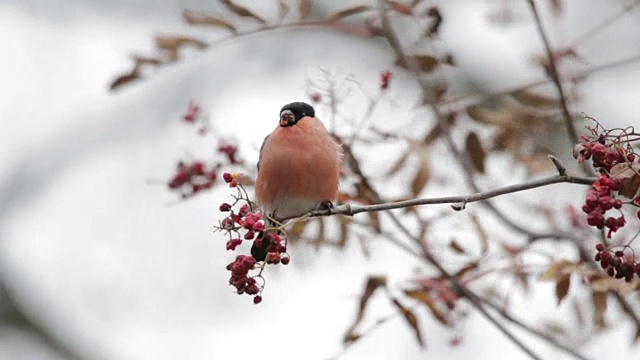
(257, 299)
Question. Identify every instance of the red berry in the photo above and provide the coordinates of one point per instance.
(227, 177)
(598, 150)
(257, 299)
(619, 253)
(285, 260)
(600, 247)
(225, 207)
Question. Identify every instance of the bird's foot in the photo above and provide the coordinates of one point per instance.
(326, 205)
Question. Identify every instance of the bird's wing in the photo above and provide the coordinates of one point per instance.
(262, 148)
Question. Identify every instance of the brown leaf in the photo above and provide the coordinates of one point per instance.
(399, 8)
(374, 219)
(603, 283)
(424, 171)
(425, 298)
(341, 14)
(526, 97)
(344, 231)
(194, 18)
(599, 307)
(489, 115)
(555, 270)
(304, 8)
(453, 245)
(629, 173)
(123, 79)
(434, 13)
(242, 11)
(172, 44)
(475, 151)
(373, 282)
(412, 320)
(562, 287)
(424, 63)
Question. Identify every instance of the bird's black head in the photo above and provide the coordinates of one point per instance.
(292, 113)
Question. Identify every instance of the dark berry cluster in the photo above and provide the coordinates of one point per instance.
(192, 178)
(245, 223)
(615, 160)
(616, 264)
(600, 199)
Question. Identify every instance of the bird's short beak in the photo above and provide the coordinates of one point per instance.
(287, 118)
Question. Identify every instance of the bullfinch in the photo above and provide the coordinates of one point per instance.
(299, 164)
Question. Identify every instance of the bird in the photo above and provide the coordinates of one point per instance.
(299, 164)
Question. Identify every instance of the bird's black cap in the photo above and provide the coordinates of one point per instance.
(299, 110)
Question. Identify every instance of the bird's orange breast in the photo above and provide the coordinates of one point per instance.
(299, 168)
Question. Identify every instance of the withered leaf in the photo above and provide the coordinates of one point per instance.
(424, 63)
(341, 14)
(125, 79)
(603, 283)
(171, 44)
(491, 116)
(562, 287)
(399, 8)
(424, 171)
(599, 307)
(411, 318)
(476, 152)
(194, 18)
(304, 8)
(555, 270)
(373, 283)
(629, 173)
(526, 97)
(425, 298)
(344, 231)
(242, 11)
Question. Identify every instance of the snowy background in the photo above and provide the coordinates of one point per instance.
(114, 267)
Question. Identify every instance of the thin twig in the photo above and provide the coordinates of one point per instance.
(459, 202)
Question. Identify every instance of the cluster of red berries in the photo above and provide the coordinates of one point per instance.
(616, 264)
(605, 154)
(248, 224)
(599, 200)
(385, 79)
(192, 178)
(230, 151)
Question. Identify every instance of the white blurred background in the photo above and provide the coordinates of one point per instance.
(113, 267)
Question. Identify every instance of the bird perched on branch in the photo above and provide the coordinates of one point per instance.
(299, 164)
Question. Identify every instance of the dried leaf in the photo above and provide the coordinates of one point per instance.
(134, 74)
(341, 14)
(304, 8)
(526, 97)
(373, 283)
(434, 13)
(399, 8)
(344, 231)
(492, 116)
(425, 298)
(599, 307)
(457, 248)
(374, 219)
(475, 151)
(562, 287)
(412, 320)
(424, 63)
(242, 11)
(555, 271)
(424, 171)
(629, 173)
(194, 18)
(603, 283)
(172, 44)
